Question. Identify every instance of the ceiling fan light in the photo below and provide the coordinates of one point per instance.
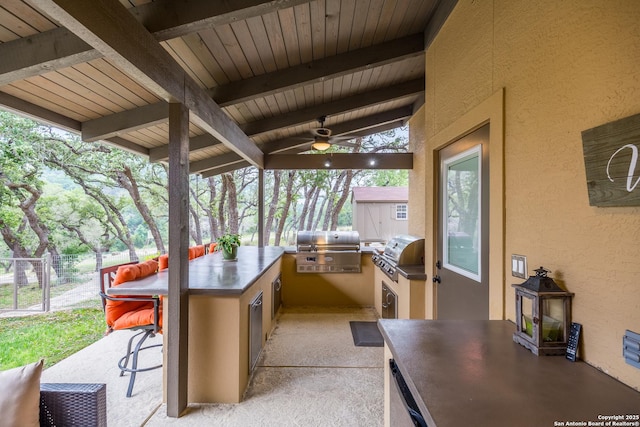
(320, 145)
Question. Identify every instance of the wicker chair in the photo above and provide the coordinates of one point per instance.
(64, 404)
(147, 330)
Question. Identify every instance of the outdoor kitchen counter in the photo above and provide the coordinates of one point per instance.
(464, 373)
(222, 314)
(210, 274)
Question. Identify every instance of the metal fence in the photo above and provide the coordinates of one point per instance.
(29, 285)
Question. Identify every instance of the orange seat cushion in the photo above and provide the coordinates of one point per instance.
(125, 310)
(138, 317)
(212, 247)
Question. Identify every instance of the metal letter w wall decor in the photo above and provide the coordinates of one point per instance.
(611, 162)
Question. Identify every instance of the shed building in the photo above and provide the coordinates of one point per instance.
(379, 213)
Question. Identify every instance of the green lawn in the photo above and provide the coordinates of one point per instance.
(51, 336)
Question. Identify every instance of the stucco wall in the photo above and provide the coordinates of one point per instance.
(417, 175)
(565, 67)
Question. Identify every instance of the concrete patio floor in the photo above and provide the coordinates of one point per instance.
(309, 374)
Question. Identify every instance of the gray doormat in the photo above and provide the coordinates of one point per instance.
(366, 334)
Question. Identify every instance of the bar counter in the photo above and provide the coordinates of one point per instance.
(220, 296)
(211, 274)
(471, 373)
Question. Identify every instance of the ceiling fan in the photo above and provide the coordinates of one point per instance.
(322, 138)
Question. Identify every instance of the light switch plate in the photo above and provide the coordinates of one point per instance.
(519, 266)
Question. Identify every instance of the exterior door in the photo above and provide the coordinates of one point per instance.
(463, 228)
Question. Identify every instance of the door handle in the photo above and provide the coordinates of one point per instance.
(436, 279)
(438, 265)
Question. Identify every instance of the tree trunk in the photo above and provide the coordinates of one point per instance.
(312, 211)
(126, 179)
(194, 230)
(268, 224)
(285, 207)
(331, 200)
(213, 222)
(232, 206)
(346, 189)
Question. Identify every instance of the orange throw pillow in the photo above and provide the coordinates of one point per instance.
(212, 247)
(163, 262)
(199, 251)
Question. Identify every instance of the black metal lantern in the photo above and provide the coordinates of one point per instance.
(543, 315)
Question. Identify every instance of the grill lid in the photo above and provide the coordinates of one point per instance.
(405, 250)
(328, 241)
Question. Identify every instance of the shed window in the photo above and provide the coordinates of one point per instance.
(401, 212)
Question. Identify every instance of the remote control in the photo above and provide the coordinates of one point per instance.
(572, 344)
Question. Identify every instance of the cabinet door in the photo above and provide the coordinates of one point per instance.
(255, 330)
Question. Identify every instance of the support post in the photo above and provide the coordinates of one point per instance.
(177, 326)
(261, 208)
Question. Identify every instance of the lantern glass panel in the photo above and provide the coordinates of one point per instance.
(552, 319)
(526, 323)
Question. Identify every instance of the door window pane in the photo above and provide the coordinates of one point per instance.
(461, 186)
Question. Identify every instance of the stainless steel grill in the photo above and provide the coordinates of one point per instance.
(400, 251)
(328, 252)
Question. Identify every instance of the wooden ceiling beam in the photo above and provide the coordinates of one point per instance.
(321, 70)
(26, 108)
(60, 48)
(339, 161)
(340, 106)
(176, 18)
(361, 127)
(263, 85)
(111, 29)
(200, 142)
(124, 122)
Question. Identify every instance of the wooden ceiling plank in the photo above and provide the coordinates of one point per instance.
(345, 27)
(200, 50)
(318, 22)
(398, 21)
(386, 14)
(15, 24)
(190, 62)
(20, 105)
(322, 70)
(373, 16)
(335, 107)
(83, 91)
(58, 48)
(276, 39)
(7, 36)
(70, 108)
(28, 14)
(82, 79)
(358, 26)
(332, 27)
(422, 14)
(230, 43)
(248, 47)
(261, 41)
(339, 161)
(440, 15)
(289, 28)
(110, 28)
(124, 122)
(214, 44)
(109, 75)
(303, 25)
(30, 95)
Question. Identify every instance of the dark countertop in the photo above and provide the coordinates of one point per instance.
(412, 272)
(210, 274)
(465, 373)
